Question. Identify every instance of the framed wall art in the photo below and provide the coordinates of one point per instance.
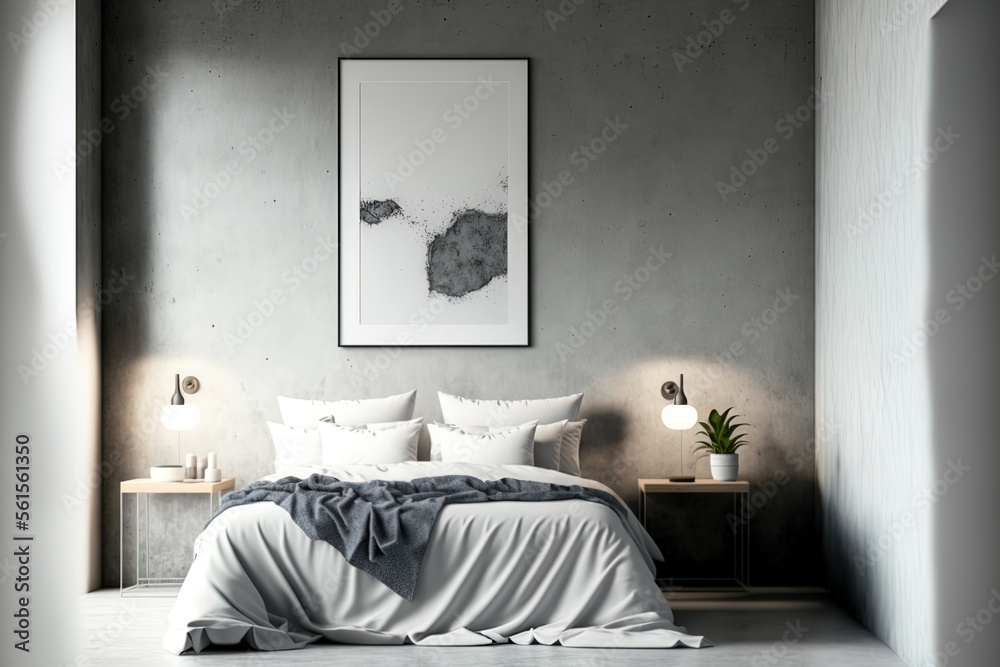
(433, 196)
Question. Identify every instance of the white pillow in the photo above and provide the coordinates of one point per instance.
(437, 431)
(569, 448)
(375, 443)
(548, 440)
(306, 413)
(513, 445)
(294, 446)
(458, 410)
(546, 448)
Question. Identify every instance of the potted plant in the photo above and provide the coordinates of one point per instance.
(722, 443)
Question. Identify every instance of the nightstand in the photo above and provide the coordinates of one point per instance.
(148, 585)
(740, 491)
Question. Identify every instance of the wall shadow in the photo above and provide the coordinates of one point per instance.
(128, 232)
(961, 328)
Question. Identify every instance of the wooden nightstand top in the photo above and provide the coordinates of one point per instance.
(147, 485)
(697, 486)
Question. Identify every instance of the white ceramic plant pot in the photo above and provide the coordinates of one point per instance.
(725, 467)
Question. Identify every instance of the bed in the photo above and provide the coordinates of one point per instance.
(566, 572)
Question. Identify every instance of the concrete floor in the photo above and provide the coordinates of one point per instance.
(765, 627)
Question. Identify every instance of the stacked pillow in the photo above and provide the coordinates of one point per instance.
(392, 442)
(477, 444)
(305, 413)
(556, 433)
(540, 432)
(375, 430)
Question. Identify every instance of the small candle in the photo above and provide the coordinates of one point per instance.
(201, 467)
(212, 462)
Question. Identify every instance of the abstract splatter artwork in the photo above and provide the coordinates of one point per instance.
(433, 202)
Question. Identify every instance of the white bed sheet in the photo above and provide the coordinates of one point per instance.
(562, 572)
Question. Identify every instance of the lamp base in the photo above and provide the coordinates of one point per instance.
(167, 473)
(681, 478)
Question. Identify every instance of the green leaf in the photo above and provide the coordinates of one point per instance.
(720, 433)
(730, 428)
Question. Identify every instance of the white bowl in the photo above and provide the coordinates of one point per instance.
(167, 473)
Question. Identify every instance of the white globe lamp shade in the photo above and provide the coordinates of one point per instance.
(679, 417)
(180, 417)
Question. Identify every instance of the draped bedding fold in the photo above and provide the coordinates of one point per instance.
(382, 527)
(574, 569)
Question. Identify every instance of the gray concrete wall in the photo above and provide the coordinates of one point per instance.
(206, 227)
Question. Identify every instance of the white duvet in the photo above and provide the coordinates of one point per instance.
(562, 572)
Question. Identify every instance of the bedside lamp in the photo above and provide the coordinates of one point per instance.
(678, 416)
(177, 417)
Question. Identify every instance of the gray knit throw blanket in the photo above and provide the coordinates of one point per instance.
(383, 527)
